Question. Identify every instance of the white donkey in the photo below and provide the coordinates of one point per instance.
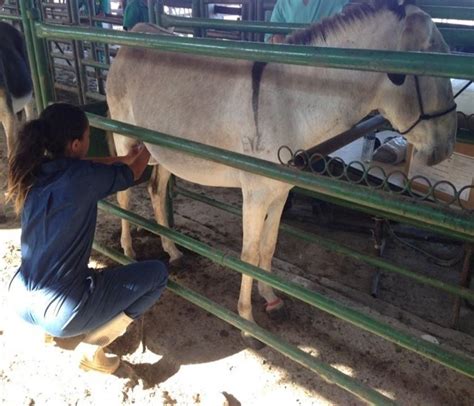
(15, 81)
(254, 108)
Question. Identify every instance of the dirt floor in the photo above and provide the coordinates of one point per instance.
(193, 358)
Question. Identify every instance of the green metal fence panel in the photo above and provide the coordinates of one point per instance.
(453, 36)
(434, 352)
(418, 63)
(339, 248)
(450, 222)
(327, 372)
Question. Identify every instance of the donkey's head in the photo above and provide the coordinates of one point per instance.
(422, 107)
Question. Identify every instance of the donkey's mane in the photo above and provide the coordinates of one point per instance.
(350, 14)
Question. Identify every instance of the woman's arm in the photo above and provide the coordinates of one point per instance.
(125, 159)
(109, 160)
(137, 160)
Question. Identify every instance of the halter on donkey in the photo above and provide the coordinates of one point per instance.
(254, 109)
(15, 80)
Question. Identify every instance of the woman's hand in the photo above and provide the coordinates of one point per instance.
(137, 159)
(133, 153)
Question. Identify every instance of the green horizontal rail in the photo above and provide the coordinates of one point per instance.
(465, 136)
(419, 63)
(450, 12)
(458, 36)
(373, 211)
(449, 222)
(227, 25)
(434, 352)
(10, 17)
(339, 248)
(95, 64)
(327, 372)
(453, 36)
(446, 3)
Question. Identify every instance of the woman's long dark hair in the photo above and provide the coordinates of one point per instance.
(46, 137)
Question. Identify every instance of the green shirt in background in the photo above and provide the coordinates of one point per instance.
(304, 11)
(135, 12)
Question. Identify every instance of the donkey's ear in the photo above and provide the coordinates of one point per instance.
(417, 32)
(397, 79)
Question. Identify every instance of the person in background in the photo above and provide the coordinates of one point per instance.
(56, 189)
(302, 11)
(136, 11)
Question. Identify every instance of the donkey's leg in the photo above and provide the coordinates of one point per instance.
(123, 199)
(274, 306)
(254, 209)
(157, 188)
(122, 146)
(30, 109)
(8, 118)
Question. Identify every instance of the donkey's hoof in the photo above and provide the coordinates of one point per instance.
(276, 310)
(251, 342)
(278, 314)
(129, 252)
(176, 262)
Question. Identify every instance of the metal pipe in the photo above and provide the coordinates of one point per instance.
(448, 221)
(450, 12)
(340, 248)
(329, 373)
(464, 282)
(418, 63)
(39, 45)
(10, 17)
(94, 64)
(461, 3)
(196, 13)
(379, 246)
(78, 50)
(434, 352)
(29, 33)
(340, 140)
(151, 11)
(379, 211)
(453, 36)
(457, 37)
(94, 51)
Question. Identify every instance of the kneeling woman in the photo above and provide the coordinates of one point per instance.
(56, 189)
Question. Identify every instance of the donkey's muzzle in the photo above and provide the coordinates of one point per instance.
(439, 154)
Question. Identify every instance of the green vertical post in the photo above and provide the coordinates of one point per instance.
(77, 45)
(160, 9)
(196, 13)
(170, 194)
(151, 11)
(24, 7)
(39, 46)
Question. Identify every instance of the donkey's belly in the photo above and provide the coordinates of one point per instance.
(20, 102)
(196, 170)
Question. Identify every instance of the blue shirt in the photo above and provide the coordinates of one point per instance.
(59, 218)
(296, 11)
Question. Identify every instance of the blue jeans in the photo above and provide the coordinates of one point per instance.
(65, 311)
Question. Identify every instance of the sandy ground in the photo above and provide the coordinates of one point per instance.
(192, 358)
